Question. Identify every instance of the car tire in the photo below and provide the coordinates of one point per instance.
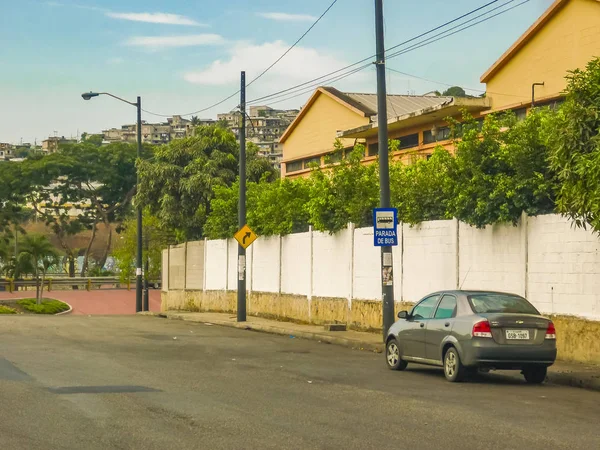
(535, 375)
(392, 356)
(454, 370)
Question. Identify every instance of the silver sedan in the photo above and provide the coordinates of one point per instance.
(467, 331)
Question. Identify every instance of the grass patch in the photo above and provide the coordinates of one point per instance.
(7, 310)
(46, 307)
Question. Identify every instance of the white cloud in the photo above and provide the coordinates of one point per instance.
(285, 17)
(166, 42)
(163, 18)
(300, 65)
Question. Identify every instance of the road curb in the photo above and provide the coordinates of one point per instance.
(64, 313)
(320, 337)
(565, 379)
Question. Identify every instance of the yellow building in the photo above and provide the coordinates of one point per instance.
(312, 135)
(532, 70)
(565, 37)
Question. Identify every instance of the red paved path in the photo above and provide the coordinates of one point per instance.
(107, 301)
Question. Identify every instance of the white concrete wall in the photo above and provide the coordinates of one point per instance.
(564, 267)
(177, 267)
(216, 265)
(296, 264)
(194, 278)
(429, 258)
(232, 261)
(492, 258)
(367, 266)
(266, 264)
(555, 265)
(332, 264)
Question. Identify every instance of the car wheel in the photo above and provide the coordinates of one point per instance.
(453, 368)
(392, 356)
(535, 375)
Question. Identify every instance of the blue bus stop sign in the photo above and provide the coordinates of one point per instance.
(385, 226)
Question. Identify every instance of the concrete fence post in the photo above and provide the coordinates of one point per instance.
(168, 268)
(226, 265)
(351, 265)
(525, 252)
(204, 251)
(310, 268)
(280, 263)
(185, 261)
(457, 251)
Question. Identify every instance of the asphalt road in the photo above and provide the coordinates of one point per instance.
(124, 382)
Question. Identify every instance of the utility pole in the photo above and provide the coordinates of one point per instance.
(387, 287)
(241, 290)
(138, 265)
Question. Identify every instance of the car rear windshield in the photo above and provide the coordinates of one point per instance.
(488, 302)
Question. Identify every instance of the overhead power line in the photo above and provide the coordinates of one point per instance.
(294, 44)
(450, 85)
(339, 74)
(369, 58)
(415, 46)
(260, 75)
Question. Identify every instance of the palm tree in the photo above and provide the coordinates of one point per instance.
(195, 121)
(41, 255)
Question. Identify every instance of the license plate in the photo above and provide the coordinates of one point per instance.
(517, 334)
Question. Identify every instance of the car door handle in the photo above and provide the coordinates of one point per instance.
(447, 324)
(422, 324)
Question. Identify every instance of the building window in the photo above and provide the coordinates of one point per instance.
(293, 166)
(442, 134)
(521, 114)
(373, 150)
(408, 141)
(309, 161)
(335, 157)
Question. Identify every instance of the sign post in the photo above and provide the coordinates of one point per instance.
(385, 235)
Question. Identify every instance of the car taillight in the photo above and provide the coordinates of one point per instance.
(551, 331)
(482, 329)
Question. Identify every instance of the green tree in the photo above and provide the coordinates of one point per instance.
(455, 91)
(421, 190)
(574, 141)
(178, 185)
(92, 139)
(80, 186)
(346, 192)
(13, 188)
(40, 254)
(501, 171)
(155, 240)
(195, 121)
(280, 207)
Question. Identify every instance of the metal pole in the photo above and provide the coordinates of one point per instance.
(533, 93)
(384, 169)
(138, 265)
(241, 290)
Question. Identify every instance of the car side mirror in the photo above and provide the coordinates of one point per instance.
(403, 315)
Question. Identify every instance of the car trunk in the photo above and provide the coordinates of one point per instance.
(517, 329)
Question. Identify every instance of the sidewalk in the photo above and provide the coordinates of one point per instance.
(586, 376)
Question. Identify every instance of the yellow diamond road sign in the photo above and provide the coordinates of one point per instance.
(245, 236)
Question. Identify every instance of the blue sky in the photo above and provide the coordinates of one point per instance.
(183, 56)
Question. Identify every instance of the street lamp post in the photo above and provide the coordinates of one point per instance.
(138, 266)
